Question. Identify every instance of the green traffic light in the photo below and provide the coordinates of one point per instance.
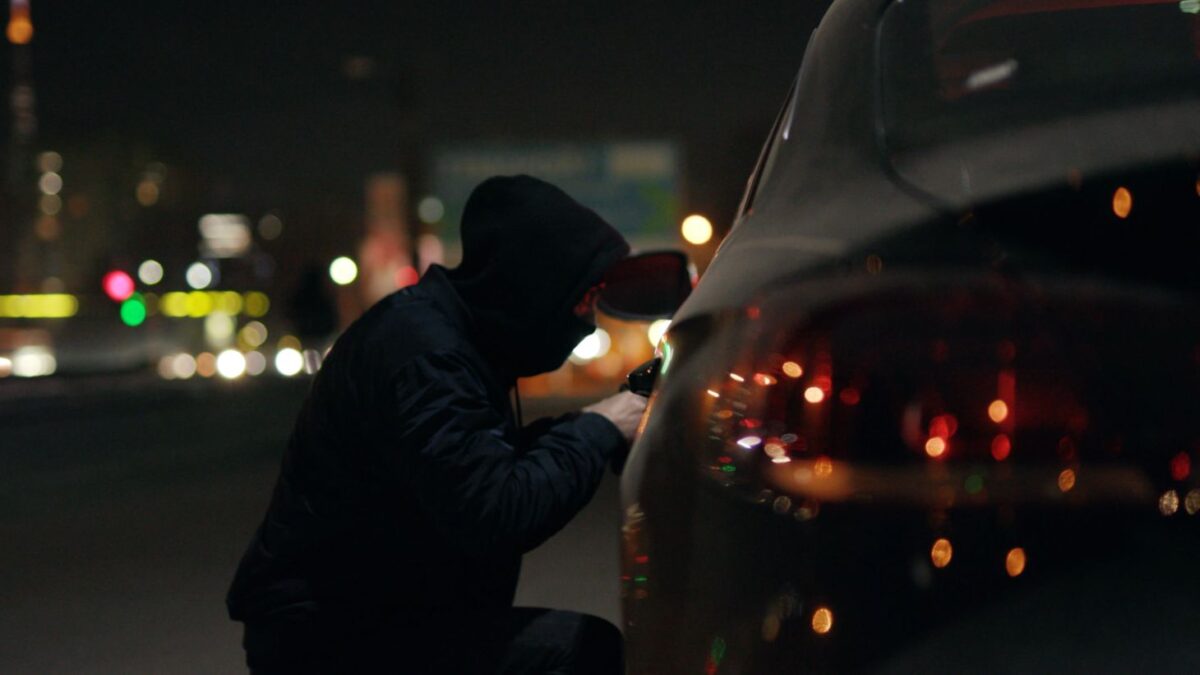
(133, 310)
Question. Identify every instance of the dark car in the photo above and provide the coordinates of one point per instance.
(935, 406)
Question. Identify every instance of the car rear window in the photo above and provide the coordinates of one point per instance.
(962, 67)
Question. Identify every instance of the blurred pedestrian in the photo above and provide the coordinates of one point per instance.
(409, 490)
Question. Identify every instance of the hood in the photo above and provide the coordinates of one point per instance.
(530, 252)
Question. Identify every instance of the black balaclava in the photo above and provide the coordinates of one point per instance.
(530, 253)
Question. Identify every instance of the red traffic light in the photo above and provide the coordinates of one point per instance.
(118, 285)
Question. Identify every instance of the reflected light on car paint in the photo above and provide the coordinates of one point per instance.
(998, 411)
(822, 467)
(814, 395)
(1001, 447)
(1014, 562)
(1122, 202)
(1191, 503)
(1168, 503)
(941, 553)
(656, 330)
(1066, 480)
(822, 621)
(749, 442)
(1181, 466)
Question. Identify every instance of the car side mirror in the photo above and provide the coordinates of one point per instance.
(647, 286)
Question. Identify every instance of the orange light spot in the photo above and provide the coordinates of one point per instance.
(764, 380)
(822, 621)
(850, 396)
(1001, 447)
(998, 411)
(792, 369)
(941, 553)
(1122, 202)
(773, 450)
(935, 447)
(814, 395)
(1014, 562)
(20, 30)
(1066, 480)
(822, 467)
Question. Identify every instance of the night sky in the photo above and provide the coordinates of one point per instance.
(265, 98)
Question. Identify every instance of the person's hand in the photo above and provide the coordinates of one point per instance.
(624, 410)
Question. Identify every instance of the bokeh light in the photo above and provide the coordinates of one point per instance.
(199, 275)
(696, 229)
(289, 361)
(256, 363)
(941, 553)
(50, 183)
(1122, 202)
(118, 285)
(431, 210)
(822, 621)
(206, 364)
(150, 272)
(231, 364)
(343, 271)
(1014, 562)
(792, 369)
(133, 310)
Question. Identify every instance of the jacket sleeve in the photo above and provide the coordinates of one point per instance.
(451, 453)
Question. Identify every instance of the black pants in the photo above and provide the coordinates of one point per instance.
(517, 640)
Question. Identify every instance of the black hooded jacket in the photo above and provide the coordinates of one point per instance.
(406, 486)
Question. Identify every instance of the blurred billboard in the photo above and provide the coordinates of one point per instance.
(634, 185)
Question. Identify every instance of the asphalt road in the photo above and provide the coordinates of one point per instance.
(125, 505)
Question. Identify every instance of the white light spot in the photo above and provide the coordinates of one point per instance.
(657, 330)
(592, 347)
(199, 275)
(35, 361)
(150, 272)
(50, 183)
(749, 442)
(231, 364)
(343, 271)
(696, 229)
(289, 361)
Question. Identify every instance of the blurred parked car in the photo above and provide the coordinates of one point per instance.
(935, 406)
